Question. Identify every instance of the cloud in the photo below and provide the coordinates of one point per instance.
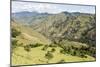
(49, 8)
(40, 7)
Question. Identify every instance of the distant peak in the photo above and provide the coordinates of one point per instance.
(65, 12)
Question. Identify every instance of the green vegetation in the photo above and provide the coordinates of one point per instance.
(61, 61)
(28, 47)
(48, 56)
(45, 47)
(14, 44)
(52, 45)
(53, 50)
(34, 45)
(81, 52)
(15, 32)
(58, 38)
(14, 41)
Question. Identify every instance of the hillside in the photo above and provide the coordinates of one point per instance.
(76, 26)
(28, 35)
(28, 17)
(42, 38)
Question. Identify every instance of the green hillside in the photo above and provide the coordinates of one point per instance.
(56, 38)
(28, 35)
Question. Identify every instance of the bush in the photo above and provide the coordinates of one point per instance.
(48, 55)
(21, 44)
(27, 48)
(15, 32)
(37, 45)
(14, 43)
(45, 47)
(31, 45)
(34, 45)
(52, 45)
(74, 53)
(62, 51)
(82, 55)
(61, 61)
(53, 50)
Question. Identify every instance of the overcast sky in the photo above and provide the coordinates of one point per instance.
(49, 8)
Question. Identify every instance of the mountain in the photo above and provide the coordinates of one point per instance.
(42, 38)
(65, 25)
(71, 26)
(28, 35)
(26, 17)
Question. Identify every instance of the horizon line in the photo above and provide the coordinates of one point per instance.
(53, 13)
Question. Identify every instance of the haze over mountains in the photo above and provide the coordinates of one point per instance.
(28, 17)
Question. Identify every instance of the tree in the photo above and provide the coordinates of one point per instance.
(52, 50)
(27, 48)
(45, 47)
(15, 33)
(14, 43)
(48, 56)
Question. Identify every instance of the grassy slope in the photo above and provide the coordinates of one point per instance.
(28, 35)
(37, 56)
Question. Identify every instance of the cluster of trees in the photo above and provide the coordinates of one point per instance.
(77, 51)
(28, 47)
(14, 34)
(15, 44)
(81, 52)
(49, 54)
(51, 45)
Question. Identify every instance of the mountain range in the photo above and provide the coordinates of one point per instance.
(42, 38)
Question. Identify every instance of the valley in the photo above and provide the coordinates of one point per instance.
(42, 38)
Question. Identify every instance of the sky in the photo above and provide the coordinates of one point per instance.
(18, 6)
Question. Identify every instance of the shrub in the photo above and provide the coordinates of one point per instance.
(15, 32)
(74, 53)
(37, 45)
(45, 47)
(62, 51)
(14, 43)
(48, 55)
(52, 50)
(82, 55)
(52, 45)
(27, 48)
(21, 44)
(34, 45)
(61, 61)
